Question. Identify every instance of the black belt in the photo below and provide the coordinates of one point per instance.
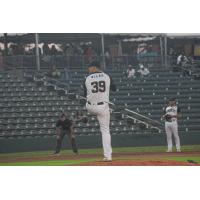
(170, 121)
(100, 103)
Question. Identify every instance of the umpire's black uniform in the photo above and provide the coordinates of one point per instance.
(65, 126)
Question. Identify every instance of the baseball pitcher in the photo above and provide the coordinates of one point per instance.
(171, 113)
(96, 90)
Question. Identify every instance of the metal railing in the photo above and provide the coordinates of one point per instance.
(126, 113)
(78, 61)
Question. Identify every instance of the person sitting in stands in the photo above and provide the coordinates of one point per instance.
(182, 60)
(143, 71)
(185, 61)
(130, 72)
(54, 73)
(179, 60)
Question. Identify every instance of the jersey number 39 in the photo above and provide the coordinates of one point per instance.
(98, 86)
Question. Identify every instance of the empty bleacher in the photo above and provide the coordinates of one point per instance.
(149, 95)
(29, 109)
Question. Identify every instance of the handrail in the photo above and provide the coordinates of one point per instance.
(131, 111)
(147, 124)
(128, 110)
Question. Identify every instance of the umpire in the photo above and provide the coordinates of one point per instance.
(64, 126)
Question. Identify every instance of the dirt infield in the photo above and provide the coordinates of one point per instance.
(119, 159)
(140, 163)
(146, 159)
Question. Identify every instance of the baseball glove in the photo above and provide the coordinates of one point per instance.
(84, 120)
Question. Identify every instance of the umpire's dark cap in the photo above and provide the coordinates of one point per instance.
(63, 115)
(172, 99)
(94, 64)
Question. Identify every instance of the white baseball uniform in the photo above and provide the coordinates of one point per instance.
(171, 127)
(97, 89)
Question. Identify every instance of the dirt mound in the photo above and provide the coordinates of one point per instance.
(120, 159)
(139, 163)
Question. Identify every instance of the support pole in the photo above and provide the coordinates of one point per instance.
(37, 51)
(5, 44)
(120, 48)
(165, 39)
(161, 50)
(103, 50)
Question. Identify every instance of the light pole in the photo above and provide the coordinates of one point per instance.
(165, 39)
(103, 50)
(37, 51)
(161, 50)
(5, 44)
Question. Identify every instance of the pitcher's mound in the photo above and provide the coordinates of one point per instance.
(139, 163)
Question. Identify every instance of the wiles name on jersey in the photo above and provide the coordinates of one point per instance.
(97, 87)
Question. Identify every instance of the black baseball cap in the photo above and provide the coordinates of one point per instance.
(94, 64)
(63, 115)
(172, 99)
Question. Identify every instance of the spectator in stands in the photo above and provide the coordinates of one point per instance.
(107, 57)
(182, 60)
(20, 49)
(88, 53)
(46, 49)
(53, 50)
(54, 72)
(34, 50)
(46, 54)
(1, 60)
(191, 60)
(80, 50)
(130, 72)
(70, 50)
(185, 60)
(179, 60)
(143, 71)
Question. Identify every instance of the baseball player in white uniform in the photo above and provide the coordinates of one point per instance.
(97, 88)
(171, 113)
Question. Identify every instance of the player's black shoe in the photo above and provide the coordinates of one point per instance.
(76, 152)
(56, 153)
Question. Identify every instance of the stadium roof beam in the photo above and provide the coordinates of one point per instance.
(73, 37)
(86, 37)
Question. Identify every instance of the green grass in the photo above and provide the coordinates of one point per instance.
(185, 159)
(45, 153)
(155, 149)
(99, 150)
(48, 163)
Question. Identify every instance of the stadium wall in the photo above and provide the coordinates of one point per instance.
(38, 144)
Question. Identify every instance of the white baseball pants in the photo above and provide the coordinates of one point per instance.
(103, 115)
(171, 128)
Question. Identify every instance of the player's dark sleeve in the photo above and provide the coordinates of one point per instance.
(164, 111)
(70, 123)
(112, 85)
(58, 124)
